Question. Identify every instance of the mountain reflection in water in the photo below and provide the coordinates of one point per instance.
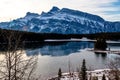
(59, 49)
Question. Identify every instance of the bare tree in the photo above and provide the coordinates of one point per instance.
(114, 66)
(15, 65)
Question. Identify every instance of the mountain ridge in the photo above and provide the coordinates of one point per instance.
(62, 21)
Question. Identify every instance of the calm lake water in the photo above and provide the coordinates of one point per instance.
(53, 56)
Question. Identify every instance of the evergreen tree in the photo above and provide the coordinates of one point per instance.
(100, 44)
(59, 73)
(83, 70)
(103, 77)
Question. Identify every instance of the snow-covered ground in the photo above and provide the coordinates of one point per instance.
(99, 73)
(90, 74)
(74, 39)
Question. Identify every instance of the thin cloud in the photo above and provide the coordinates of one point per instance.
(103, 8)
(18, 8)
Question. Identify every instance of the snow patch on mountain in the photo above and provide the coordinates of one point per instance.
(63, 21)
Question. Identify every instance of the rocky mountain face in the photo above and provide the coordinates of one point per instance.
(62, 21)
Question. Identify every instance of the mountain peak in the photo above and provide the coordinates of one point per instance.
(43, 13)
(31, 14)
(54, 9)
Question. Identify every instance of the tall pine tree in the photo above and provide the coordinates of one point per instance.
(59, 73)
(103, 77)
(83, 70)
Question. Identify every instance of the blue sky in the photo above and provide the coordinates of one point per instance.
(12, 9)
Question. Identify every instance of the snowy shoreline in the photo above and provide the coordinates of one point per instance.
(74, 75)
(74, 39)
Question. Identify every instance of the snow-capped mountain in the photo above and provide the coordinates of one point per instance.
(63, 21)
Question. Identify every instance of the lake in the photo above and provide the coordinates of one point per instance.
(55, 55)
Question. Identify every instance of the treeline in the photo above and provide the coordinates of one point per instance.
(107, 36)
(25, 36)
(30, 36)
(40, 37)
